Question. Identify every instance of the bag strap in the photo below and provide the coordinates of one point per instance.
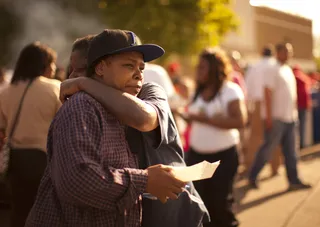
(14, 125)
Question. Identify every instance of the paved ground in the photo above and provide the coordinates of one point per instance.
(271, 205)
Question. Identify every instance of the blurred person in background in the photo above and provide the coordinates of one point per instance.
(216, 113)
(157, 74)
(78, 57)
(254, 79)
(237, 72)
(173, 70)
(32, 74)
(304, 100)
(237, 77)
(185, 88)
(280, 97)
(60, 74)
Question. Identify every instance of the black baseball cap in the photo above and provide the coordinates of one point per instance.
(115, 41)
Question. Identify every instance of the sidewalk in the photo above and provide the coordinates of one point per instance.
(272, 205)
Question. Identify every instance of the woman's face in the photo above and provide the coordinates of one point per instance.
(123, 72)
(202, 71)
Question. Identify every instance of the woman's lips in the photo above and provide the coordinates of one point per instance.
(134, 89)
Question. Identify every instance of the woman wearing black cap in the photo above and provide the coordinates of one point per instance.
(154, 143)
(92, 177)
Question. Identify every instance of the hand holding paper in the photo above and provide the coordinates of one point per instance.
(200, 171)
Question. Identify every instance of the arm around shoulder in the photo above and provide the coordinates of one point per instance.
(78, 174)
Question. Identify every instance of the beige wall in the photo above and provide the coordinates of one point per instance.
(274, 27)
(244, 39)
(261, 25)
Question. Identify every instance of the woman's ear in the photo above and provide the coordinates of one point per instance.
(99, 69)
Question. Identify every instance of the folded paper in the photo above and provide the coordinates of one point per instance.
(200, 171)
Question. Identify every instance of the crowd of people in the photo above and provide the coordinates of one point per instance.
(97, 149)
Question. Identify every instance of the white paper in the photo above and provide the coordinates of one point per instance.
(200, 171)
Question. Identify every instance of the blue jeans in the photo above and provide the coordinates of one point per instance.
(302, 126)
(281, 133)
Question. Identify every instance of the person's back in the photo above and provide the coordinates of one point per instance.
(284, 99)
(27, 107)
(255, 76)
(40, 105)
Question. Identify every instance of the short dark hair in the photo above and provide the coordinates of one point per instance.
(282, 46)
(32, 62)
(82, 44)
(268, 50)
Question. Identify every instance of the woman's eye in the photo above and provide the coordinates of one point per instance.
(129, 66)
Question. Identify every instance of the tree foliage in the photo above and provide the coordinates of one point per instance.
(181, 26)
(8, 28)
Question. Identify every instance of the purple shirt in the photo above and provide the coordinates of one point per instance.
(91, 178)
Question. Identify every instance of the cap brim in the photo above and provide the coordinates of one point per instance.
(149, 51)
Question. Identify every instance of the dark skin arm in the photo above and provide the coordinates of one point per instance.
(2, 137)
(268, 101)
(237, 117)
(129, 109)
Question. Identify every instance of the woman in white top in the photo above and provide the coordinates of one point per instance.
(217, 112)
(34, 69)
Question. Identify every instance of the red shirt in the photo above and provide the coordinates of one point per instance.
(303, 89)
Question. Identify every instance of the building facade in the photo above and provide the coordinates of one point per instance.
(260, 26)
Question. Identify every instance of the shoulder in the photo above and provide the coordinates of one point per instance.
(46, 85)
(49, 83)
(151, 86)
(232, 89)
(83, 101)
(231, 86)
(152, 90)
(80, 104)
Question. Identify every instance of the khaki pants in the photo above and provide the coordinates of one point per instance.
(255, 140)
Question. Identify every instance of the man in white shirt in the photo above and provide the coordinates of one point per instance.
(255, 96)
(280, 97)
(254, 76)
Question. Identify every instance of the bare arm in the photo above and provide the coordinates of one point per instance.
(237, 117)
(128, 109)
(268, 103)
